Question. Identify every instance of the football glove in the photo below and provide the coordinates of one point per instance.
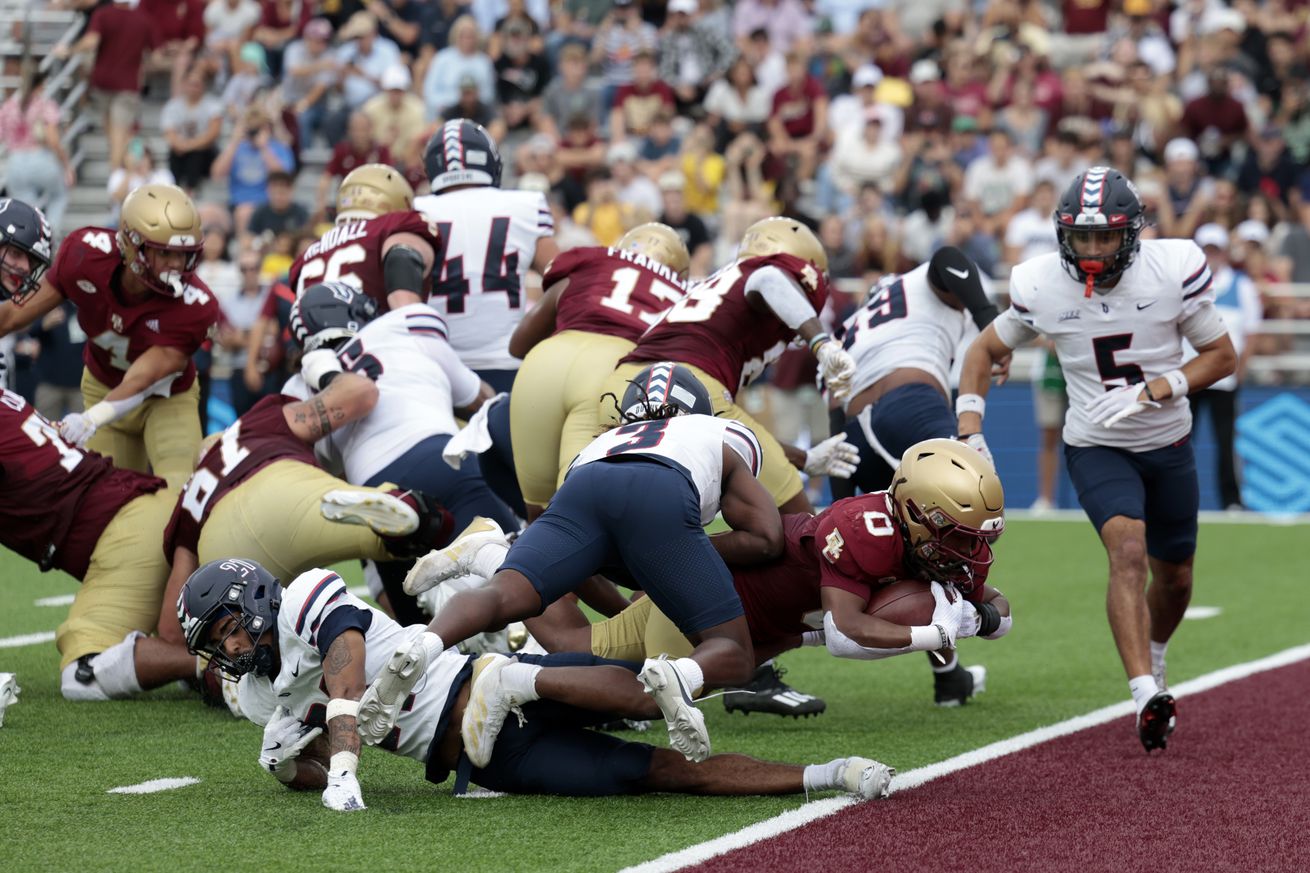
(284, 738)
(948, 611)
(976, 442)
(837, 367)
(343, 793)
(833, 457)
(319, 367)
(1114, 406)
(970, 622)
(76, 428)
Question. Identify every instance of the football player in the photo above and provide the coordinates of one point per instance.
(379, 244)
(733, 324)
(145, 314)
(259, 493)
(636, 497)
(1117, 309)
(305, 654)
(489, 239)
(422, 386)
(70, 509)
(25, 249)
(598, 303)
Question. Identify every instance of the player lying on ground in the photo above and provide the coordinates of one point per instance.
(304, 656)
(1118, 309)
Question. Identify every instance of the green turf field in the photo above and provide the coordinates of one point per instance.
(58, 759)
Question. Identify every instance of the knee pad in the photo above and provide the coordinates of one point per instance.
(110, 675)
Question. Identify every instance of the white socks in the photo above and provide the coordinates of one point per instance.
(824, 777)
(691, 674)
(949, 665)
(487, 560)
(1143, 689)
(520, 681)
(1157, 661)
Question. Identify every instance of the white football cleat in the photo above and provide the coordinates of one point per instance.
(488, 706)
(8, 693)
(384, 514)
(867, 779)
(687, 734)
(457, 558)
(380, 705)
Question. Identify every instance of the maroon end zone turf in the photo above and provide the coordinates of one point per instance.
(1232, 792)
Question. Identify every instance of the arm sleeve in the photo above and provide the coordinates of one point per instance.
(783, 295)
(1203, 325)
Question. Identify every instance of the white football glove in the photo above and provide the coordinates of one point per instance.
(317, 365)
(837, 367)
(284, 738)
(948, 611)
(342, 793)
(976, 442)
(1114, 406)
(833, 457)
(76, 428)
(970, 621)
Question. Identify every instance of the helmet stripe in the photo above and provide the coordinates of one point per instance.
(658, 382)
(1093, 193)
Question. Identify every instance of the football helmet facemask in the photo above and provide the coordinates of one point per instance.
(659, 242)
(950, 507)
(329, 312)
(373, 190)
(23, 231)
(1100, 201)
(786, 236)
(239, 588)
(461, 152)
(662, 390)
(160, 222)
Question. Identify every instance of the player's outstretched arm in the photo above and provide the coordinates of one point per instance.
(348, 398)
(147, 374)
(756, 534)
(13, 317)
(185, 563)
(975, 378)
(343, 677)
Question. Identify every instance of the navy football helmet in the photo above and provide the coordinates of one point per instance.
(24, 228)
(1101, 200)
(236, 587)
(461, 153)
(664, 389)
(329, 312)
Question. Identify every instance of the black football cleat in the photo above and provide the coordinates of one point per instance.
(956, 687)
(766, 692)
(1156, 721)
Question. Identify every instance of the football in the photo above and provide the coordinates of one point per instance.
(907, 601)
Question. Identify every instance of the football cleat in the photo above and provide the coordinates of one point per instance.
(867, 779)
(959, 685)
(457, 558)
(488, 706)
(385, 514)
(687, 734)
(1156, 721)
(380, 705)
(766, 692)
(8, 693)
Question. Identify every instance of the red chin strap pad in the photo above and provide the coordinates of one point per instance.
(1092, 269)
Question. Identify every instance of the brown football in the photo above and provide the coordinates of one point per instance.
(907, 601)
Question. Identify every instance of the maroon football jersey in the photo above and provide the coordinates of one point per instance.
(612, 292)
(717, 329)
(88, 271)
(351, 252)
(56, 500)
(254, 441)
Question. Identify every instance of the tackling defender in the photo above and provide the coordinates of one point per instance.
(1117, 309)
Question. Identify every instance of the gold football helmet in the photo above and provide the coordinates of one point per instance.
(950, 506)
(373, 190)
(659, 242)
(159, 222)
(785, 236)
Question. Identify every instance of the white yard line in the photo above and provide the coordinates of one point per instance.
(155, 785)
(1199, 612)
(820, 808)
(57, 600)
(26, 640)
(1208, 516)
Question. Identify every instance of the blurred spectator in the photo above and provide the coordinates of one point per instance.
(744, 197)
(470, 105)
(1023, 119)
(459, 62)
(692, 57)
(406, 23)
(249, 77)
(251, 153)
(121, 34)
(688, 225)
(769, 64)
(621, 35)
(1237, 300)
(360, 147)
(218, 273)
(281, 215)
(1215, 121)
(1031, 232)
(310, 71)
(841, 258)
(492, 13)
(579, 151)
(1142, 31)
(862, 155)
(58, 368)
(798, 122)
(660, 148)
(191, 123)
(969, 232)
(270, 350)
(570, 94)
(930, 167)
(1061, 163)
(522, 77)
(38, 172)
(179, 33)
(364, 57)
(281, 22)
(848, 111)
(638, 102)
(568, 233)
(239, 314)
(1269, 169)
(397, 113)
(926, 229)
(515, 14)
(998, 181)
(602, 213)
(737, 103)
(703, 168)
(1189, 192)
(787, 21)
(229, 24)
(138, 169)
(576, 21)
(632, 189)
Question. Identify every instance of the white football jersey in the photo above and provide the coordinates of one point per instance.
(905, 324)
(693, 442)
(488, 240)
(1131, 333)
(307, 603)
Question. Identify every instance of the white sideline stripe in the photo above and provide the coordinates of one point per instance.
(155, 785)
(1208, 516)
(817, 809)
(26, 640)
(1199, 612)
(57, 600)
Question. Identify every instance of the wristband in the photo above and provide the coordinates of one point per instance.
(929, 638)
(342, 763)
(970, 403)
(1177, 382)
(342, 706)
(1146, 386)
(819, 339)
(989, 618)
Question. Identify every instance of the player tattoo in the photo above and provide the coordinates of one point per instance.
(324, 419)
(343, 731)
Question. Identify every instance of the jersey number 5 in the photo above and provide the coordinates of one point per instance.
(1106, 347)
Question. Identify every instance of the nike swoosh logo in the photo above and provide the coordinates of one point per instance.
(959, 274)
(1142, 306)
(295, 671)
